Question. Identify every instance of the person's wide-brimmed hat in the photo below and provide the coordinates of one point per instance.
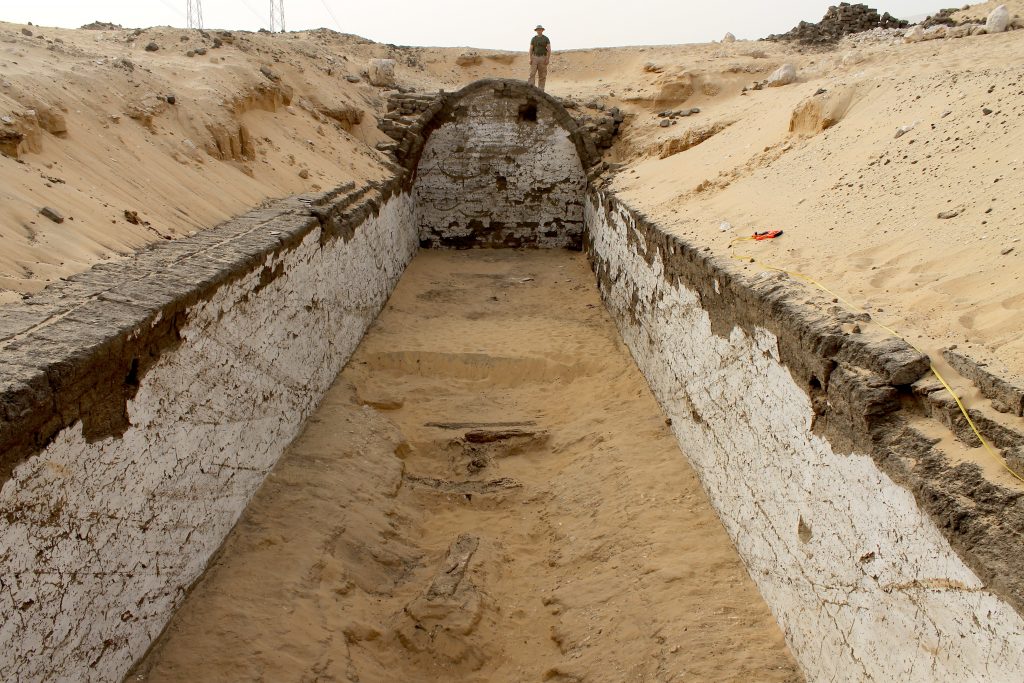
(539, 28)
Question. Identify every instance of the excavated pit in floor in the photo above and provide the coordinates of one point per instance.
(489, 492)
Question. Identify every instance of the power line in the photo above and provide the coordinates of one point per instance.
(252, 11)
(328, 8)
(194, 10)
(277, 16)
(173, 8)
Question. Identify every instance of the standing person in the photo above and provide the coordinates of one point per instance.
(540, 56)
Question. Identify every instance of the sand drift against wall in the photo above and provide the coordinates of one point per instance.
(489, 492)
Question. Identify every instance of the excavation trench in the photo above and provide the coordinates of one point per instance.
(488, 492)
(480, 483)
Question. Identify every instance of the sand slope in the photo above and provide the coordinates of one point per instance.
(859, 207)
(818, 159)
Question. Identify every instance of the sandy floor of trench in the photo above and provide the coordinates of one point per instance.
(489, 492)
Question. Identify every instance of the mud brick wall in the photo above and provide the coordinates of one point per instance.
(142, 403)
(881, 559)
(500, 168)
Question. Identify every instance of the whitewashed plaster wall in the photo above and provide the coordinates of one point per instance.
(864, 585)
(109, 535)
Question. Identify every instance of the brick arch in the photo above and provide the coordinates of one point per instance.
(498, 163)
(446, 107)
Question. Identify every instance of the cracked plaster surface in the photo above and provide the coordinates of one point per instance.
(100, 541)
(864, 585)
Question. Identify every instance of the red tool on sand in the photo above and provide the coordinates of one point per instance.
(767, 235)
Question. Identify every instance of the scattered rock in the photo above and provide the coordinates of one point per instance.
(126, 64)
(468, 59)
(353, 78)
(200, 50)
(1006, 251)
(26, 32)
(852, 58)
(914, 35)
(304, 173)
(952, 213)
(903, 130)
(986, 111)
(170, 99)
(998, 20)
(51, 213)
(958, 31)
(152, 47)
(381, 73)
(784, 75)
(729, 38)
(266, 71)
(664, 123)
(132, 217)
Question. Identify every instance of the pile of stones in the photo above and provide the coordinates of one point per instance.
(668, 118)
(102, 26)
(840, 20)
(602, 125)
(944, 18)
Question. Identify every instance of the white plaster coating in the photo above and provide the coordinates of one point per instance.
(864, 585)
(490, 171)
(109, 535)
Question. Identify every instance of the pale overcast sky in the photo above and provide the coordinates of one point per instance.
(477, 23)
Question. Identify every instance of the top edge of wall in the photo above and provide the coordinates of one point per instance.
(866, 389)
(78, 349)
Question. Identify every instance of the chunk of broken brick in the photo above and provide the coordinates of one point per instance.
(53, 214)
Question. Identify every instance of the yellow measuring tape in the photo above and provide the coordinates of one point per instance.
(991, 451)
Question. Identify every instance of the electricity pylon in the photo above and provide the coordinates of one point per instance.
(194, 13)
(276, 16)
